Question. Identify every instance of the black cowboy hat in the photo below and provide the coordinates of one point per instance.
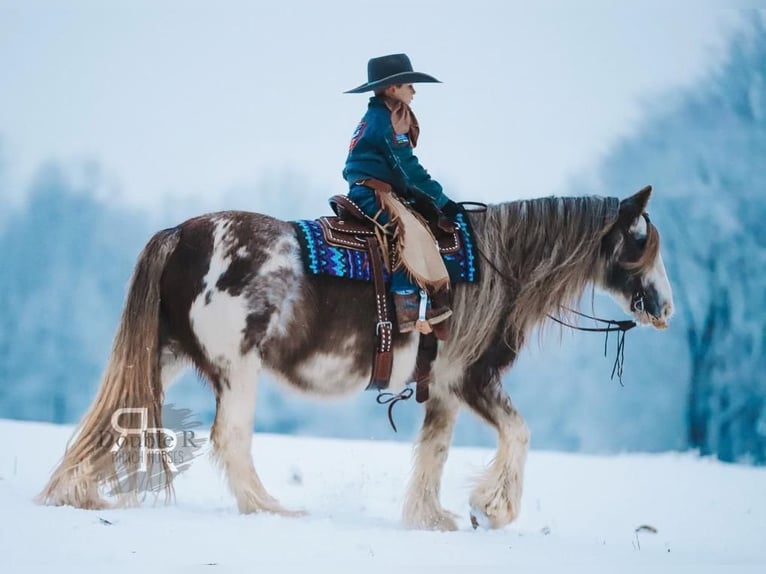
(388, 70)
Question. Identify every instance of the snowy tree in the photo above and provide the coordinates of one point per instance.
(66, 260)
(704, 152)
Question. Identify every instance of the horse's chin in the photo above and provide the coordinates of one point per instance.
(647, 319)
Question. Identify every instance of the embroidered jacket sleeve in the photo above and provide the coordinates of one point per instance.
(376, 151)
(402, 159)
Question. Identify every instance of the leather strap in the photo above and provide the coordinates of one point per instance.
(345, 208)
(426, 354)
(381, 373)
(384, 356)
(376, 184)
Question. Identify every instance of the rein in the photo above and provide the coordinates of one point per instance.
(612, 326)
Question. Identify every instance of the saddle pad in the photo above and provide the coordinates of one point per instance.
(321, 258)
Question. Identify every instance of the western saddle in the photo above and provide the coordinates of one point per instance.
(352, 229)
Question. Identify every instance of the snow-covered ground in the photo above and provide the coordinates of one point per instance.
(580, 514)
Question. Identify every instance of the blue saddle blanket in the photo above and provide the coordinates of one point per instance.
(321, 258)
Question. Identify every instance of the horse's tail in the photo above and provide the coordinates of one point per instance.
(130, 397)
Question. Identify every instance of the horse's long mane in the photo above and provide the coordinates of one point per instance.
(547, 250)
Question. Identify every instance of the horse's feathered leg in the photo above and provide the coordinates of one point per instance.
(422, 508)
(243, 273)
(496, 498)
(232, 438)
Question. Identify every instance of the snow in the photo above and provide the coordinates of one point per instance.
(580, 514)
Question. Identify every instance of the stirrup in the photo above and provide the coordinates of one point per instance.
(422, 325)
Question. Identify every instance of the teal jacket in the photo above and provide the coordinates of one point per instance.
(376, 151)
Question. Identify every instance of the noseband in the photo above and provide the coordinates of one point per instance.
(637, 301)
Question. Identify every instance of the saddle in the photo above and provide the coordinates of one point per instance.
(352, 229)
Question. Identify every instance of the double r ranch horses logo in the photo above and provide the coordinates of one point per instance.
(151, 451)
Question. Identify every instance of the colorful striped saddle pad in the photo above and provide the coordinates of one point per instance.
(323, 257)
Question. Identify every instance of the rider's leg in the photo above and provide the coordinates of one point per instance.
(407, 295)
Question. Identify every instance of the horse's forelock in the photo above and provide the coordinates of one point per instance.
(649, 255)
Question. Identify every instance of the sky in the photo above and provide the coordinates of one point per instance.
(182, 100)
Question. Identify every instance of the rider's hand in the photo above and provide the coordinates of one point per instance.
(452, 209)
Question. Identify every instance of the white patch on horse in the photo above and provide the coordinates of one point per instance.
(657, 277)
(447, 371)
(283, 255)
(404, 365)
(220, 322)
(233, 437)
(639, 229)
(329, 374)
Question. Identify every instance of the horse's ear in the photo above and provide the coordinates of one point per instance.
(633, 206)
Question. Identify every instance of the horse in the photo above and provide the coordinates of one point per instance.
(226, 293)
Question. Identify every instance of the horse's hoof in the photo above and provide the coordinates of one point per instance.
(272, 507)
(478, 518)
(87, 503)
(276, 512)
(443, 521)
(300, 513)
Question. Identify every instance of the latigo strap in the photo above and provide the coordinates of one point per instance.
(384, 357)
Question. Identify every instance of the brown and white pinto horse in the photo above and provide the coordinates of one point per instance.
(227, 294)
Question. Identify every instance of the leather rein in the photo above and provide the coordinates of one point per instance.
(611, 325)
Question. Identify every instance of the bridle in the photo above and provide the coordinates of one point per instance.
(611, 325)
(636, 304)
